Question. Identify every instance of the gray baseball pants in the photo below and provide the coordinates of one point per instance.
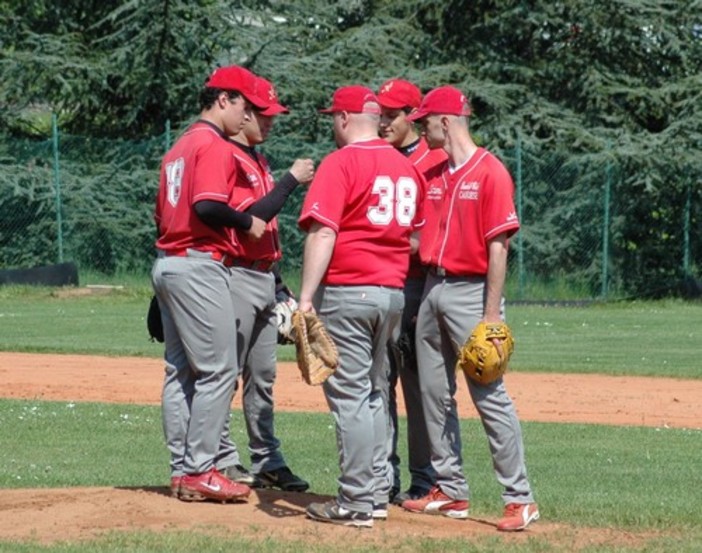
(361, 320)
(201, 363)
(253, 294)
(450, 309)
(418, 449)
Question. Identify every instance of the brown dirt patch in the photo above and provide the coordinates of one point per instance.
(623, 400)
(80, 513)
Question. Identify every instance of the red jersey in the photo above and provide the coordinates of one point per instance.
(372, 197)
(464, 209)
(425, 160)
(253, 181)
(200, 166)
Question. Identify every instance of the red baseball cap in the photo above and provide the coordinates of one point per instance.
(265, 90)
(398, 93)
(235, 77)
(446, 100)
(353, 99)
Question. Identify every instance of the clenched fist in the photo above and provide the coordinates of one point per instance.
(303, 170)
(258, 227)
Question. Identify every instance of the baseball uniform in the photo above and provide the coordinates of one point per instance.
(191, 278)
(254, 297)
(371, 196)
(465, 207)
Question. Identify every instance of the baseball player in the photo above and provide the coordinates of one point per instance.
(399, 98)
(256, 193)
(359, 213)
(192, 280)
(470, 217)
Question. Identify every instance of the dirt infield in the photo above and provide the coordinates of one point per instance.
(79, 513)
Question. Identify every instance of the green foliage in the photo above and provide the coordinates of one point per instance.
(110, 189)
(106, 196)
(586, 88)
(28, 227)
(109, 68)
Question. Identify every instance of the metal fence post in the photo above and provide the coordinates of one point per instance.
(520, 235)
(57, 185)
(686, 231)
(605, 228)
(168, 135)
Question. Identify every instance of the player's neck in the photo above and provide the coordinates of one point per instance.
(242, 139)
(362, 138)
(411, 138)
(209, 116)
(460, 149)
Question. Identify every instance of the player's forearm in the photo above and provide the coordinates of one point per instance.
(319, 246)
(218, 214)
(270, 205)
(497, 271)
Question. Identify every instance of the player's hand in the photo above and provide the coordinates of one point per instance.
(306, 306)
(303, 170)
(258, 227)
(496, 341)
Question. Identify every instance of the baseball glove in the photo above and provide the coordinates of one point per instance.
(317, 356)
(154, 324)
(284, 308)
(480, 358)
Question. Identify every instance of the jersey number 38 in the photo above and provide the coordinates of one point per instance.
(396, 201)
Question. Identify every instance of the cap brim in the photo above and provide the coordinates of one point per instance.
(275, 109)
(417, 115)
(255, 100)
(327, 111)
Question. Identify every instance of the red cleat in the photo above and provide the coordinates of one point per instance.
(211, 485)
(175, 486)
(518, 516)
(437, 502)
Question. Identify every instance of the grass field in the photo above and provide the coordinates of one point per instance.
(637, 338)
(622, 479)
(631, 479)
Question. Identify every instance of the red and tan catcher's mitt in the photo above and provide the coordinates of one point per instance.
(317, 356)
(480, 358)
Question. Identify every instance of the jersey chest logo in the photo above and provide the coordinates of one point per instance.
(253, 180)
(468, 190)
(434, 193)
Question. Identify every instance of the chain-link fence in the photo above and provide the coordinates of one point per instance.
(583, 235)
(586, 233)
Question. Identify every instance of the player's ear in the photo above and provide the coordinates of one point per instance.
(223, 99)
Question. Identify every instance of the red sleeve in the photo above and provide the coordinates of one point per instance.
(212, 173)
(326, 195)
(499, 213)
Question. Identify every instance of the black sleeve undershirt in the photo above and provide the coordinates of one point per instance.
(218, 214)
(270, 205)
